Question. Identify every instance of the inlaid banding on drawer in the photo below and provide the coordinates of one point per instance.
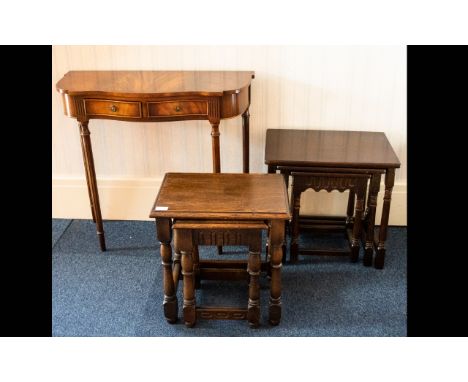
(113, 108)
(171, 108)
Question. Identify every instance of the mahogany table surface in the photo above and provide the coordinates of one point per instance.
(154, 96)
(329, 148)
(162, 83)
(222, 196)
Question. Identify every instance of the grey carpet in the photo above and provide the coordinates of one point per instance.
(58, 228)
(119, 292)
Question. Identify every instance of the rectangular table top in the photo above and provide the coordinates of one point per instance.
(146, 82)
(222, 196)
(329, 148)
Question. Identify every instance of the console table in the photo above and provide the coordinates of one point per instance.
(156, 96)
(338, 152)
(220, 209)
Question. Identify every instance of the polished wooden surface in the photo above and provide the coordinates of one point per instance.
(357, 149)
(158, 96)
(357, 152)
(243, 205)
(213, 196)
(124, 83)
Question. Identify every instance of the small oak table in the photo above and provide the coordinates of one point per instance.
(329, 181)
(156, 96)
(328, 151)
(220, 209)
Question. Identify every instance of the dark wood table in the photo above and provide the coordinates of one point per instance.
(156, 96)
(359, 152)
(220, 209)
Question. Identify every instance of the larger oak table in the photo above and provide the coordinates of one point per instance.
(159, 96)
(220, 209)
(334, 153)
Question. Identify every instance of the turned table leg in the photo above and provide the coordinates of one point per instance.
(350, 209)
(186, 248)
(276, 237)
(196, 266)
(88, 180)
(253, 267)
(374, 187)
(216, 156)
(286, 173)
(215, 147)
(271, 170)
(91, 182)
(389, 182)
(296, 206)
(163, 228)
(245, 141)
(356, 237)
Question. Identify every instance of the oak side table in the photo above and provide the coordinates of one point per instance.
(355, 183)
(220, 209)
(360, 152)
(156, 96)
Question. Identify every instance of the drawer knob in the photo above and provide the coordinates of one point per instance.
(113, 108)
(178, 108)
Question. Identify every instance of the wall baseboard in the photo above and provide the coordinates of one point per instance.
(132, 199)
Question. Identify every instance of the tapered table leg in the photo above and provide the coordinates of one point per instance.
(245, 140)
(389, 182)
(88, 182)
(91, 181)
(163, 228)
(276, 237)
(374, 187)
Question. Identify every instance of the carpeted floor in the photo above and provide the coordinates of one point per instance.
(119, 292)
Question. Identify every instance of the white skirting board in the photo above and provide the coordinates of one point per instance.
(132, 199)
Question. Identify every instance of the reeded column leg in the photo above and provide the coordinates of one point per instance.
(389, 182)
(374, 187)
(276, 253)
(163, 227)
(296, 206)
(186, 248)
(216, 156)
(245, 141)
(91, 181)
(215, 147)
(253, 267)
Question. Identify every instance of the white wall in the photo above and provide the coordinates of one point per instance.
(303, 87)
